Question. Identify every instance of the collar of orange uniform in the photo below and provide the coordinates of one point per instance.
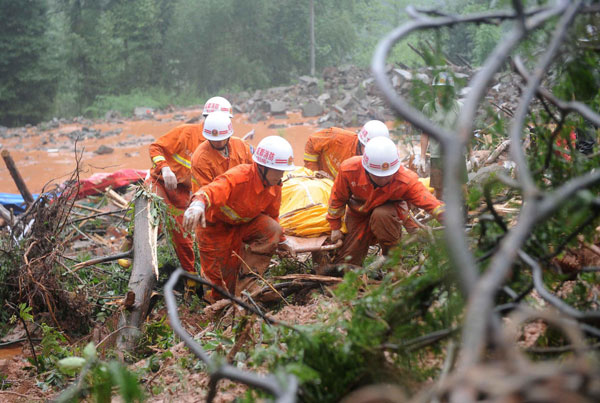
(258, 185)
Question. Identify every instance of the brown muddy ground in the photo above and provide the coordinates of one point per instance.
(41, 163)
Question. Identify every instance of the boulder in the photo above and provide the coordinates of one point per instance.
(278, 108)
(485, 173)
(104, 150)
(307, 80)
(311, 109)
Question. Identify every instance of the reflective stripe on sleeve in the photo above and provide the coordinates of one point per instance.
(311, 157)
(438, 210)
(336, 212)
(231, 213)
(182, 161)
(158, 159)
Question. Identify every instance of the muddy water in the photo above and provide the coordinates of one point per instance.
(41, 163)
(10, 352)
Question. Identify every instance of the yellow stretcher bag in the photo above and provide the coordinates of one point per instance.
(304, 201)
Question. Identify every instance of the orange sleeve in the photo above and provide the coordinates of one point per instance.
(197, 173)
(340, 193)
(166, 145)
(418, 195)
(311, 154)
(216, 193)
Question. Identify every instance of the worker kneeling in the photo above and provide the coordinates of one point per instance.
(367, 191)
(241, 207)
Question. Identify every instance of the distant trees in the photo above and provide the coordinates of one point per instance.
(72, 57)
(27, 80)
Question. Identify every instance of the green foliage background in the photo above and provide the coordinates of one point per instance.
(73, 57)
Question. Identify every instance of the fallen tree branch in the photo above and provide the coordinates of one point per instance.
(102, 259)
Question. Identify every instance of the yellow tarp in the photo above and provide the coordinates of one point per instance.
(304, 201)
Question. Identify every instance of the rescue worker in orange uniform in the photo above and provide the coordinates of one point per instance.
(220, 153)
(241, 207)
(171, 176)
(325, 150)
(366, 191)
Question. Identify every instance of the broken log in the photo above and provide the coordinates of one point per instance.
(14, 172)
(144, 274)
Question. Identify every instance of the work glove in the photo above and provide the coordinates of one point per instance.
(194, 214)
(422, 167)
(286, 248)
(336, 235)
(169, 178)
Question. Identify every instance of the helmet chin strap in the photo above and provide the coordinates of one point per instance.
(359, 148)
(262, 170)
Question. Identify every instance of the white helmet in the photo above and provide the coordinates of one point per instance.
(443, 79)
(372, 129)
(217, 126)
(275, 152)
(381, 157)
(217, 104)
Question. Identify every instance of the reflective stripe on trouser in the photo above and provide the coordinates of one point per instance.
(178, 200)
(217, 243)
(381, 226)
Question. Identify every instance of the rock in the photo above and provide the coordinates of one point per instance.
(278, 107)
(307, 80)
(277, 126)
(404, 74)
(104, 150)
(311, 109)
(323, 98)
(349, 119)
(143, 112)
(481, 176)
(112, 115)
(257, 117)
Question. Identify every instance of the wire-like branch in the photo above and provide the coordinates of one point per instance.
(562, 306)
(283, 393)
(481, 302)
(585, 111)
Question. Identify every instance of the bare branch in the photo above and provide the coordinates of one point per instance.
(284, 393)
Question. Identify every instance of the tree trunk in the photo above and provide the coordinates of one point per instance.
(143, 276)
(312, 38)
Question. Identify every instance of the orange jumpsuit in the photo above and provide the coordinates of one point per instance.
(208, 163)
(371, 212)
(326, 149)
(239, 209)
(174, 149)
